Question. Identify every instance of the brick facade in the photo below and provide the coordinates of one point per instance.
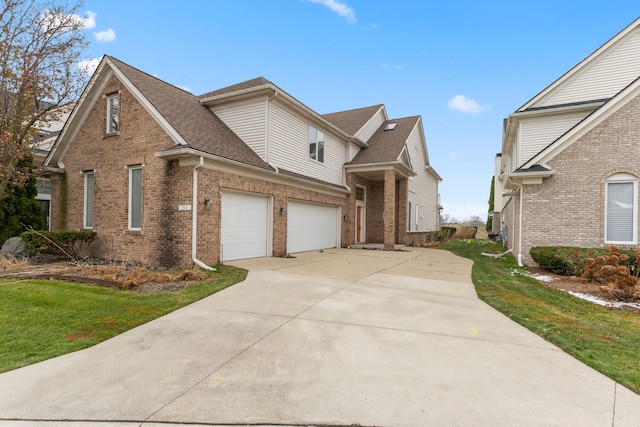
(168, 204)
(568, 208)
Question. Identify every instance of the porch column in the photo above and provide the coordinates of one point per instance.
(402, 198)
(389, 212)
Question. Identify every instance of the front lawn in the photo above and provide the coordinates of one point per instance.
(603, 338)
(40, 319)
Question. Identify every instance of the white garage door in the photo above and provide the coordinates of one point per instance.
(311, 227)
(244, 229)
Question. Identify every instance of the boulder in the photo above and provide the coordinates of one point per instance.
(14, 246)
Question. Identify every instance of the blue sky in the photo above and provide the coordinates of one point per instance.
(462, 65)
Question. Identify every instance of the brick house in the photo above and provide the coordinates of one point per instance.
(568, 171)
(165, 177)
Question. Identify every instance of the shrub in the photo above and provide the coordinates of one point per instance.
(464, 232)
(69, 243)
(571, 261)
(620, 280)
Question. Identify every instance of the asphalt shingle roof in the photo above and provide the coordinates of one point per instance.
(351, 121)
(386, 145)
(196, 124)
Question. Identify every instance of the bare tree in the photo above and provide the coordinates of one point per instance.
(40, 46)
(476, 221)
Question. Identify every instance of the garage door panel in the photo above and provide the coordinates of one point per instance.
(311, 227)
(244, 226)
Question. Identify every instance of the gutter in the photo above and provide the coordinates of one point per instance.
(194, 217)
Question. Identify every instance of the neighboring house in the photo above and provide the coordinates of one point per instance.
(48, 131)
(166, 177)
(569, 167)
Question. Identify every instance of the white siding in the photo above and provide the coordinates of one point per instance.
(289, 147)
(423, 188)
(371, 126)
(248, 120)
(536, 133)
(353, 150)
(610, 73)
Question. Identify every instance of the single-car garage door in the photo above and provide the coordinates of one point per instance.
(244, 225)
(311, 226)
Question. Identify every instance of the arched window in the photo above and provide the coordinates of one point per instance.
(621, 209)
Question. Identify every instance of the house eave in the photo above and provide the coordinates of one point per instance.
(188, 156)
(274, 92)
(399, 167)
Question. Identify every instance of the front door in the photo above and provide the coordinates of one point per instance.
(360, 224)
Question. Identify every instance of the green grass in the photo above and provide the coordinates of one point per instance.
(40, 319)
(606, 339)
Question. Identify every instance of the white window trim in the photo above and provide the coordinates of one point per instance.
(130, 210)
(109, 106)
(618, 179)
(85, 224)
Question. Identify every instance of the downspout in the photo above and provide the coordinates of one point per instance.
(194, 222)
(520, 229)
(520, 189)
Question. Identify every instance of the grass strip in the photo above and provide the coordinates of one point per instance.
(41, 319)
(605, 339)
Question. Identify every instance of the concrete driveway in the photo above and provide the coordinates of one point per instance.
(339, 337)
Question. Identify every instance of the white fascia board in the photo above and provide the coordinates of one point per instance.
(190, 157)
(581, 65)
(433, 172)
(78, 115)
(164, 124)
(373, 167)
(586, 125)
(279, 94)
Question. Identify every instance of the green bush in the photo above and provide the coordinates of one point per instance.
(570, 261)
(69, 243)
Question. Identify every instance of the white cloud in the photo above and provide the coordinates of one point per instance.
(89, 20)
(340, 8)
(392, 66)
(88, 66)
(453, 155)
(49, 19)
(467, 105)
(105, 36)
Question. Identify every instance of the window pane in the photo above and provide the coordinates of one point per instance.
(620, 201)
(135, 198)
(312, 142)
(88, 200)
(113, 105)
(320, 151)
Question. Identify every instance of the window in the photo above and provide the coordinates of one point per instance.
(360, 193)
(135, 198)
(316, 144)
(88, 199)
(621, 210)
(113, 107)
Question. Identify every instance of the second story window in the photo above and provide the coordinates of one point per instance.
(113, 107)
(316, 144)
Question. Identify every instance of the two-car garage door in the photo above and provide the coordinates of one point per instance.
(245, 226)
(311, 226)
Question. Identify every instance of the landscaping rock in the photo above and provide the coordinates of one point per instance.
(14, 246)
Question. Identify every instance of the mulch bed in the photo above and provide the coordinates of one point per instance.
(574, 284)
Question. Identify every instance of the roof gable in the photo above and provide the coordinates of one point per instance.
(178, 112)
(387, 145)
(586, 125)
(599, 76)
(351, 121)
